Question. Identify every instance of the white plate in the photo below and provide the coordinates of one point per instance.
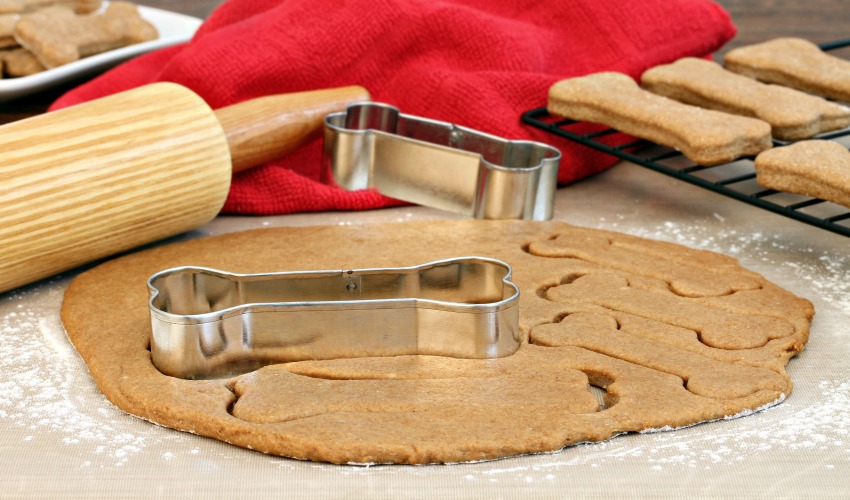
(173, 28)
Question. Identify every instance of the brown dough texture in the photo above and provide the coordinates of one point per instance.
(674, 336)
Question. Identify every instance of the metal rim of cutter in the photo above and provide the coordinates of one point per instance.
(208, 323)
(439, 164)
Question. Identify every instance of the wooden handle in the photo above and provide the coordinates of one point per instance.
(267, 128)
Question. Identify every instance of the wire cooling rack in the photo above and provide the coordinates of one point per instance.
(736, 179)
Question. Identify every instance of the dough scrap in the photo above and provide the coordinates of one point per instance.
(657, 370)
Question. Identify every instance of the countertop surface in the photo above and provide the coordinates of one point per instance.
(60, 437)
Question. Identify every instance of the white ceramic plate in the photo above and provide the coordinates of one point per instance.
(173, 28)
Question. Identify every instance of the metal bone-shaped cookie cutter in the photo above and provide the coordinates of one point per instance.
(210, 323)
(438, 164)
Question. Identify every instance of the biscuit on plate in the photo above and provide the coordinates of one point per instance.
(20, 62)
(23, 6)
(7, 30)
(57, 36)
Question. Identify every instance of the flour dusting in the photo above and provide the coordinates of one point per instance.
(827, 279)
(45, 391)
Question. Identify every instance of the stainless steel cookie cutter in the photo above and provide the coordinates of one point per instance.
(438, 164)
(208, 323)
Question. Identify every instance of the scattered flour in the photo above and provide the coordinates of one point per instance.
(46, 394)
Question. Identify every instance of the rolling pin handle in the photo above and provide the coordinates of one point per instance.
(266, 128)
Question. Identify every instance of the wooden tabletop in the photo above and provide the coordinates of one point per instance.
(757, 20)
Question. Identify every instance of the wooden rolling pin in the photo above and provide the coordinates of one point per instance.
(92, 180)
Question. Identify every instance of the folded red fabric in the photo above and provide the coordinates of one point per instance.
(477, 63)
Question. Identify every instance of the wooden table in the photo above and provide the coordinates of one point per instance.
(757, 20)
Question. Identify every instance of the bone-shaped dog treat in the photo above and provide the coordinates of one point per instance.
(57, 36)
(791, 114)
(20, 62)
(795, 63)
(614, 99)
(22, 6)
(814, 168)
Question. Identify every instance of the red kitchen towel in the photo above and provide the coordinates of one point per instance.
(477, 63)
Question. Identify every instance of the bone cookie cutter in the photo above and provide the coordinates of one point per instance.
(438, 164)
(208, 323)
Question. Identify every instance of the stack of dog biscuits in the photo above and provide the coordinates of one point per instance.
(697, 107)
(40, 34)
(26, 6)
(796, 63)
(792, 114)
(7, 29)
(705, 136)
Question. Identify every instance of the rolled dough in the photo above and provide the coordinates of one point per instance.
(674, 336)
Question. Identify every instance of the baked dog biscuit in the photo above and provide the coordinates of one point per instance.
(814, 168)
(791, 114)
(7, 29)
(707, 137)
(57, 36)
(23, 6)
(20, 62)
(793, 62)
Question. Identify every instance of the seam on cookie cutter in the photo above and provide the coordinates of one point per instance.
(439, 164)
(208, 323)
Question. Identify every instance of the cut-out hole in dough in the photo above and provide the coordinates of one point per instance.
(526, 247)
(599, 383)
(688, 273)
(700, 375)
(600, 396)
(716, 326)
(565, 280)
(232, 403)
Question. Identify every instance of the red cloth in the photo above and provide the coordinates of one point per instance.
(477, 63)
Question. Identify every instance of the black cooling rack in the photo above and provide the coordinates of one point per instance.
(736, 179)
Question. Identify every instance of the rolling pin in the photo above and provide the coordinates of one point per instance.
(99, 178)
